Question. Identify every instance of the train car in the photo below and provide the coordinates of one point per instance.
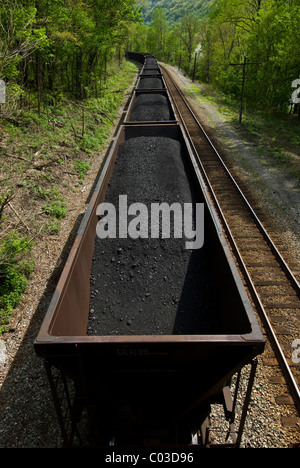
(150, 106)
(146, 82)
(150, 331)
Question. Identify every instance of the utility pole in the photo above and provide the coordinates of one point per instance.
(243, 64)
(195, 63)
(243, 90)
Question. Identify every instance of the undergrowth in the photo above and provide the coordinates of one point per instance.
(16, 266)
(44, 158)
(276, 134)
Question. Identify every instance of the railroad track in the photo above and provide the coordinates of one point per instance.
(131, 356)
(271, 283)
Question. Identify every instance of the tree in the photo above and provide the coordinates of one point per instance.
(158, 31)
(264, 31)
(19, 36)
(189, 33)
(62, 45)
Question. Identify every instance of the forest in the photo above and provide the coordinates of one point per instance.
(175, 9)
(224, 33)
(63, 78)
(61, 46)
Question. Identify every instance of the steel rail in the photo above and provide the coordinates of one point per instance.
(289, 377)
(287, 269)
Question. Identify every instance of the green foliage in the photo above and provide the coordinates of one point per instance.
(267, 33)
(157, 36)
(19, 35)
(223, 33)
(173, 43)
(65, 75)
(51, 228)
(81, 168)
(16, 266)
(175, 9)
(67, 57)
(55, 209)
(44, 157)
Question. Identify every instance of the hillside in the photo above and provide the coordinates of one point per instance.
(175, 9)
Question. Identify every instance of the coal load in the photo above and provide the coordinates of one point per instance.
(150, 108)
(152, 71)
(151, 83)
(150, 286)
(150, 63)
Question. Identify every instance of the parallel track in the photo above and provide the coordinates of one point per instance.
(272, 285)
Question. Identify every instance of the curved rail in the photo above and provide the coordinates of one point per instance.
(290, 379)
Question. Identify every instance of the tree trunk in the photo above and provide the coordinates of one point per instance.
(39, 79)
(79, 77)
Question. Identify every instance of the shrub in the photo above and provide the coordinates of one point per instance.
(16, 265)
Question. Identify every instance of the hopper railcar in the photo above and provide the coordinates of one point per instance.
(140, 383)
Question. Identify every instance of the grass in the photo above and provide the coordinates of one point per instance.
(16, 266)
(278, 138)
(277, 134)
(44, 159)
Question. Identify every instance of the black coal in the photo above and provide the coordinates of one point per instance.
(150, 286)
(150, 107)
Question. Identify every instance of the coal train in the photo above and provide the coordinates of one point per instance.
(143, 333)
